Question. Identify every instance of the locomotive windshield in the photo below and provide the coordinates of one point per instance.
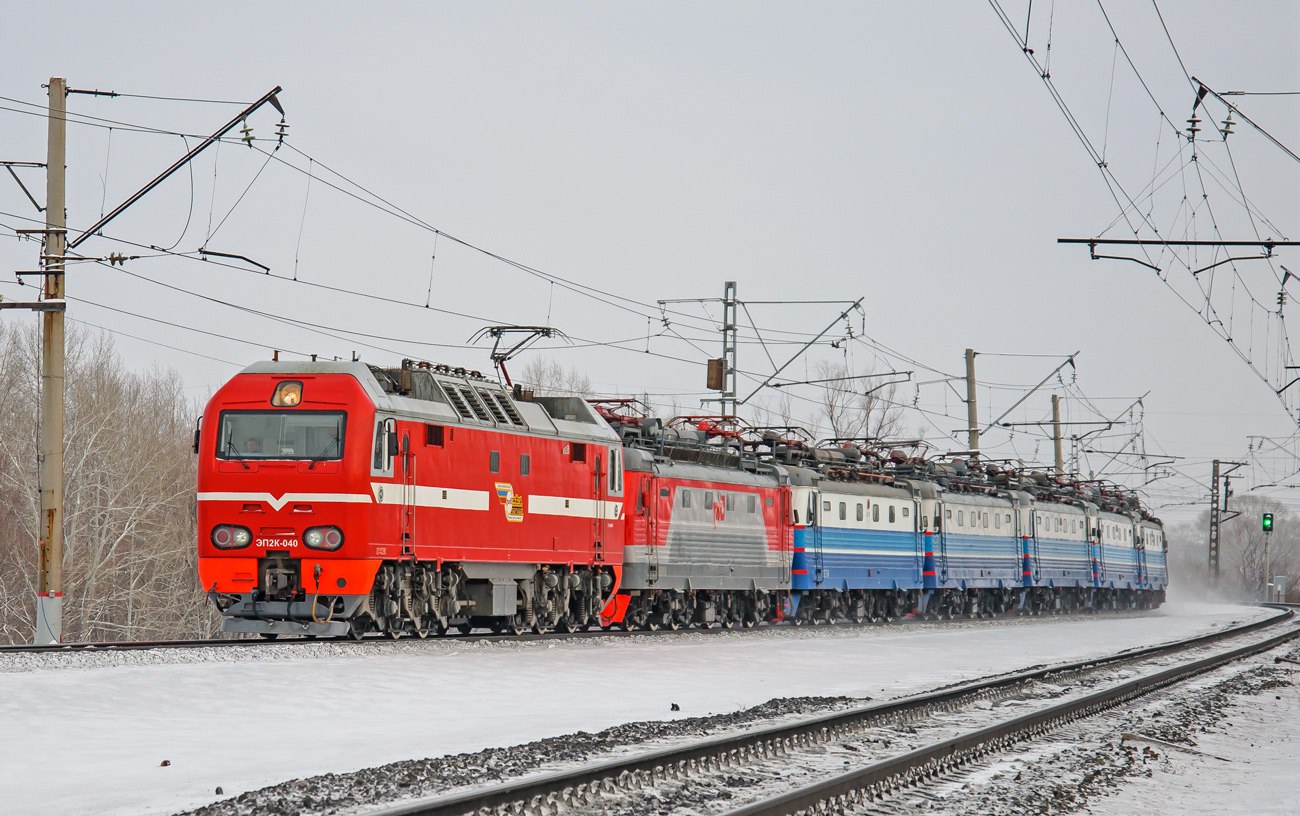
(315, 435)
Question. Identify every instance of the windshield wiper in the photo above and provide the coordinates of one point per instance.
(239, 457)
(334, 443)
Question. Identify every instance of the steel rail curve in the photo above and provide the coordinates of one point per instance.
(542, 794)
(864, 785)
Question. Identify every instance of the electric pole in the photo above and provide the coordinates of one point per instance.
(1219, 514)
(727, 402)
(972, 413)
(49, 591)
(1056, 433)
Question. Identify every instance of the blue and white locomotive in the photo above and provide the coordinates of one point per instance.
(891, 537)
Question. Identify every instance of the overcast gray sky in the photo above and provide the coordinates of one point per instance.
(906, 153)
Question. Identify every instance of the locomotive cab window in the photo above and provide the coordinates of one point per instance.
(314, 435)
(578, 452)
(435, 435)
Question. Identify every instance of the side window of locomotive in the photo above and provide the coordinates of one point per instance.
(907, 511)
(859, 511)
(961, 518)
(578, 452)
(686, 497)
(997, 521)
(844, 511)
(525, 464)
(891, 514)
(435, 435)
(875, 512)
(384, 449)
(615, 471)
(494, 462)
(753, 504)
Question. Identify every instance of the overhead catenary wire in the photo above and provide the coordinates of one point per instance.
(552, 280)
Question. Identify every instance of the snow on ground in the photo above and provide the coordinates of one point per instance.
(89, 733)
(1245, 764)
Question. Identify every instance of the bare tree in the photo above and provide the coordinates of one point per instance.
(129, 523)
(548, 377)
(855, 408)
(778, 411)
(1241, 551)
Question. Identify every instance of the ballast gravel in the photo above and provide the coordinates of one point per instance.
(347, 793)
(1075, 769)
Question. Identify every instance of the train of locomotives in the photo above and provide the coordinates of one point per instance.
(340, 499)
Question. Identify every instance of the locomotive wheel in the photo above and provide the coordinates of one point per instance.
(356, 628)
(269, 635)
(465, 628)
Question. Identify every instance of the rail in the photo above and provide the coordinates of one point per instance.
(544, 793)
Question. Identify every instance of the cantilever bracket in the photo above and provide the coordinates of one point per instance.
(1092, 251)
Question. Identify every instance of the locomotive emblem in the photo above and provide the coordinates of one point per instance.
(513, 504)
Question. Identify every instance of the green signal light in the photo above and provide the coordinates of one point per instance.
(1268, 522)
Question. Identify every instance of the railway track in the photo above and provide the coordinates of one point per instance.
(937, 725)
(247, 642)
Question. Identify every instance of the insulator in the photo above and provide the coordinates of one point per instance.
(1226, 130)
(247, 134)
(1192, 128)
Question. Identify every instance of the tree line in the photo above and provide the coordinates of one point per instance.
(129, 498)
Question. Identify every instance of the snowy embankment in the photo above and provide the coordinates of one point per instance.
(158, 732)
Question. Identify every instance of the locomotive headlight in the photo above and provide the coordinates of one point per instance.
(323, 538)
(230, 537)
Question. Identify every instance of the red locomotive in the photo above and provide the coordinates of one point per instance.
(338, 498)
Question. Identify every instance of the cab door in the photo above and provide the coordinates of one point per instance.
(941, 548)
(815, 522)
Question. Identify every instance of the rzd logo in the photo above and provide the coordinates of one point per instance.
(514, 505)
